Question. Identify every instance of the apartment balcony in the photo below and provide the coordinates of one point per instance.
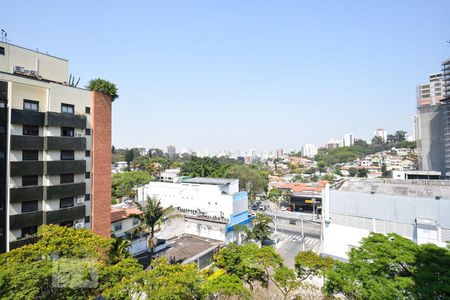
(22, 242)
(65, 143)
(26, 193)
(27, 142)
(34, 218)
(31, 167)
(29, 117)
(65, 120)
(65, 214)
(3, 115)
(58, 167)
(65, 190)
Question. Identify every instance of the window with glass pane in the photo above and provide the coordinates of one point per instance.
(29, 206)
(67, 109)
(66, 202)
(30, 155)
(27, 231)
(67, 131)
(67, 155)
(30, 105)
(30, 180)
(30, 130)
(66, 178)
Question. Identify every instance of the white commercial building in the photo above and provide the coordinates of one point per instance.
(211, 206)
(380, 132)
(309, 150)
(415, 209)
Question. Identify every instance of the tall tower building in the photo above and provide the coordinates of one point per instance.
(309, 150)
(55, 149)
(380, 132)
(280, 153)
(348, 140)
(429, 124)
(171, 150)
(446, 113)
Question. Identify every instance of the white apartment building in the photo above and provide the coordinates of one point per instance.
(416, 209)
(309, 150)
(349, 140)
(55, 139)
(380, 132)
(211, 206)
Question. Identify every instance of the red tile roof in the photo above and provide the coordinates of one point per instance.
(124, 213)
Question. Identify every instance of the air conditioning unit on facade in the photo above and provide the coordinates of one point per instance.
(80, 200)
(33, 73)
(79, 225)
(18, 69)
(80, 134)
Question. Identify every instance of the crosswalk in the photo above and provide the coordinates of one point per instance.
(309, 242)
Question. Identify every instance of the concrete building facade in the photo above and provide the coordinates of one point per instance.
(309, 150)
(55, 149)
(415, 209)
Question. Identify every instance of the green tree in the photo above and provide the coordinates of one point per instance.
(29, 272)
(362, 172)
(328, 177)
(352, 171)
(153, 215)
(129, 156)
(123, 183)
(309, 264)
(260, 231)
(392, 267)
(377, 140)
(103, 86)
(285, 280)
(203, 167)
(225, 286)
(249, 179)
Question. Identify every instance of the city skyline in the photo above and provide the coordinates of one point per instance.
(247, 75)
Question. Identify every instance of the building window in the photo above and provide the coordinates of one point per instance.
(27, 231)
(30, 130)
(88, 131)
(88, 110)
(67, 155)
(87, 197)
(117, 226)
(29, 206)
(67, 109)
(29, 180)
(87, 153)
(66, 202)
(67, 131)
(30, 155)
(66, 178)
(66, 224)
(87, 219)
(87, 175)
(2, 103)
(30, 105)
(2, 50)
(135, 222)
(2, 129)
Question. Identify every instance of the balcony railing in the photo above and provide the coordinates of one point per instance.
(65, 214)
(29, 117)
(65, 143)
(65, 190)
(21, 168)
(64, 167)
(34, 218)
(27, 193)
(65, 120)
(27, 142)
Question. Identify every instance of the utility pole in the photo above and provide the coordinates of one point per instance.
(303, 236)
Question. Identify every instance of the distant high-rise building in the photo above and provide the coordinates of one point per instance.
(430, 122)
(309, 150)
(333, 143)
(348, 140)
(171, 150)
(446, 118)
(280, 153)
(380, 132)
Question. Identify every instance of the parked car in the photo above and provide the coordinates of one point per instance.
(262, 207)
(283, 208)
(254, 206)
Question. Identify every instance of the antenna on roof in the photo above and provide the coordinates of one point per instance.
(4, 36)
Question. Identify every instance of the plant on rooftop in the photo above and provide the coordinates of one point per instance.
(103, 86)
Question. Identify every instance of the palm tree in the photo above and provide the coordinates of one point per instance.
(153, 214)
(119, 249)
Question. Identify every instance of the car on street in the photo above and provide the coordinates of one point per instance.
(283, 208)
(262, 207)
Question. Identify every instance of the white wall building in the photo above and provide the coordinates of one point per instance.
(309, 150)
(348, 140)
(212, 206)
(380, 132)
(406, 207)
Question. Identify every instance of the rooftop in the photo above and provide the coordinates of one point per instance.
(118, 214)
(207, 180)
(187, 246)
(410, 188)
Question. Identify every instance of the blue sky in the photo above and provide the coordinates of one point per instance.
(244, 74)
